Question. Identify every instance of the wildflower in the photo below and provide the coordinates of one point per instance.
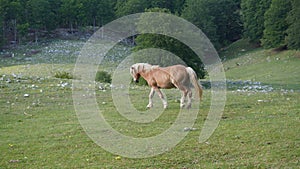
(118, 158)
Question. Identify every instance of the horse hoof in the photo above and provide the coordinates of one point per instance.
(149, 106)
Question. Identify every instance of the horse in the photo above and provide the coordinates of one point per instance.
(176, 76)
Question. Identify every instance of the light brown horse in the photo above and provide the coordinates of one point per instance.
(177, 76)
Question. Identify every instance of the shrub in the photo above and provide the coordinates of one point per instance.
(63, 75)
(142, 82)
(103, 76)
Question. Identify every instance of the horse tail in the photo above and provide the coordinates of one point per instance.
(193, 78)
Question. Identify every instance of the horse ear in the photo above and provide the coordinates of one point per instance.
(132, 69)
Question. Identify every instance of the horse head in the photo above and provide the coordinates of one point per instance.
(140, 68)
(135, 72)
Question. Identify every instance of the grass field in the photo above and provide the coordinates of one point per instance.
(39, 127)
(281, 70)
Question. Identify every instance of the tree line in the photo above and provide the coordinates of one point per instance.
(268, 23)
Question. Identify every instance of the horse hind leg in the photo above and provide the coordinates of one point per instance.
(189, 100)
(184, 93)
(182, 100)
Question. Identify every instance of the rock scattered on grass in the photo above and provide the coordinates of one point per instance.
(189, 129)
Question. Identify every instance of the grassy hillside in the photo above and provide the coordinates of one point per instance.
(39, 127)
(278, 69)
(47, 58)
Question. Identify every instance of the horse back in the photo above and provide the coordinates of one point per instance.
(178, 73)
(169, 77)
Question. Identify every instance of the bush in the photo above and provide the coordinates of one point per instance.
(102, 76)
(142, 82)
(63, 75)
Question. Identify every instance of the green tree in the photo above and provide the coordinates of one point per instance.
(54, 17)
(227, 19)
(2, 31)
(276, 24)
(123, 8)
(198, 12)
(72, 12)
(167, 43)
(134, 6)
(175, 6)
(40, 16)
(22, 31)
(98, 12)
(14, 13)
(105, 12)
(167, 4)
(253, 18)
(11, 15)
(4, 8)
(178, 6)
(293, 31)
(219, 20)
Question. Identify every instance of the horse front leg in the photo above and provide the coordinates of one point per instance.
(151, 94)
(161, 96)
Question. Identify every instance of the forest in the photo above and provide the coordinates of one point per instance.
(267, 23)
(67, 101)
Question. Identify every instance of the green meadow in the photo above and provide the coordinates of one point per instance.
(259, 129)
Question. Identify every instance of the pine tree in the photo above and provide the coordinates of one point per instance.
(276, 24)
(198, 13)
(227, 19)
(293, 38)
(219, 20)
(253, 18)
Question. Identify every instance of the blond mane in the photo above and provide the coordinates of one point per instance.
(146, 67)
(154, 67)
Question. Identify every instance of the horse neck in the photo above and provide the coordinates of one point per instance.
(145, 72)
